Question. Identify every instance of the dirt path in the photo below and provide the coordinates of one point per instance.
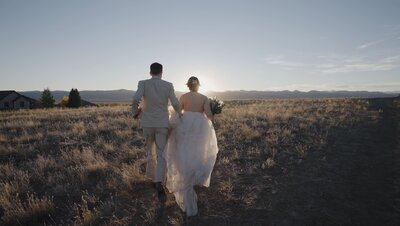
(353, 183)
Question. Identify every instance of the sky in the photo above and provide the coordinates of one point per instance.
(228, 44)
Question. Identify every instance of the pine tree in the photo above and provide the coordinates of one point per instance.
(47, 99)
(74, 99)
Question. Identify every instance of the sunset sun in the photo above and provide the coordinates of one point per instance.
(207, 84)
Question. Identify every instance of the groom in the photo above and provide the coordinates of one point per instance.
(155, 94)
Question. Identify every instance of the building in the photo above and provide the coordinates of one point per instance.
(86, 103)
(10, 99)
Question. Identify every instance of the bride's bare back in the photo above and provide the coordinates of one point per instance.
(196, 102)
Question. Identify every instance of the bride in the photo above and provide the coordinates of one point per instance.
(192, 148)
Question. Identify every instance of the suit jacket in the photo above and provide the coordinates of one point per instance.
(155, 94)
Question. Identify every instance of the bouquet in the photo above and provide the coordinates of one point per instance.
(216, 105)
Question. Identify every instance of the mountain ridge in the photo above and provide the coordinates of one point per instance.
(124, 95)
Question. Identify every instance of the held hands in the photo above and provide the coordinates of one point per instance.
(170, 131)
(136, 116)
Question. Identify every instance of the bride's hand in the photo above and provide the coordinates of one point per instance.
(170, 131)
(138, 113)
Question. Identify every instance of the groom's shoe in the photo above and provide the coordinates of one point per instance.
(162, 197)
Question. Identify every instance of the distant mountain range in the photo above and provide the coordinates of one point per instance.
(242, 94)
(124, 96)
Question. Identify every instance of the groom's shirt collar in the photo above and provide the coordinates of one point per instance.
(155, 77)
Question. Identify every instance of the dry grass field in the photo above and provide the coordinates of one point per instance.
(281, 162)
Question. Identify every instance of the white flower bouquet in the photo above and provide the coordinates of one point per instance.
(216, 105)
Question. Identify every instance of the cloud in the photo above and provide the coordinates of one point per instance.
(392, 59)
(393, 86)
(304, 87)
(392, 27)
(369, 44)
(359, 68)
(392, 33)
(362, 65)
(338, 64)
(281, 61)
(383, 87)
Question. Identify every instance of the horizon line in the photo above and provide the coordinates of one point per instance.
(212, 91)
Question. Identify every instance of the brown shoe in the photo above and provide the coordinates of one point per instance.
(158, 186)
(162, 197)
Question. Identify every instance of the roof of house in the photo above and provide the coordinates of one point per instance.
(87, 103)
(28, 98)
(4, 93)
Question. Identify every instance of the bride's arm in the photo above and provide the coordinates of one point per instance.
(181, 103)
(207, 109)
(174, 101)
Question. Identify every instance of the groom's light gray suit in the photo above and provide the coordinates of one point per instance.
(155, 93)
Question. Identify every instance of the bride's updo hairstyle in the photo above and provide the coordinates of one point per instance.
(193, 84)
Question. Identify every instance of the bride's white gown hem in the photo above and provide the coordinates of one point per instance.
(190, 155)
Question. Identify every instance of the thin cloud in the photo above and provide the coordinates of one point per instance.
(304, 87)
(339, 64)
(393, 86)
(385, 87)
(360, 68)
(392, 27)
(392, 59)
(384, 64)
(281, 61)
(369, 44)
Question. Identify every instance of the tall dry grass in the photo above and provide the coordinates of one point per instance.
(85, 166)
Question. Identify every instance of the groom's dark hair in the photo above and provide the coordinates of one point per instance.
(156, 68)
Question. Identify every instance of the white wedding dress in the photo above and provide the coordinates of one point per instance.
(190, 155)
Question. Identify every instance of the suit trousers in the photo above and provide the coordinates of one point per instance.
(155, 141)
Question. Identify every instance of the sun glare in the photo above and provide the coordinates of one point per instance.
(207, 84)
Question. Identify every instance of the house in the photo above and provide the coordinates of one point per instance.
(86, 103)
(10, 99)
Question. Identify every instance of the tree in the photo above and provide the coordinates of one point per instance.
(74, 99)
(47, 99)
